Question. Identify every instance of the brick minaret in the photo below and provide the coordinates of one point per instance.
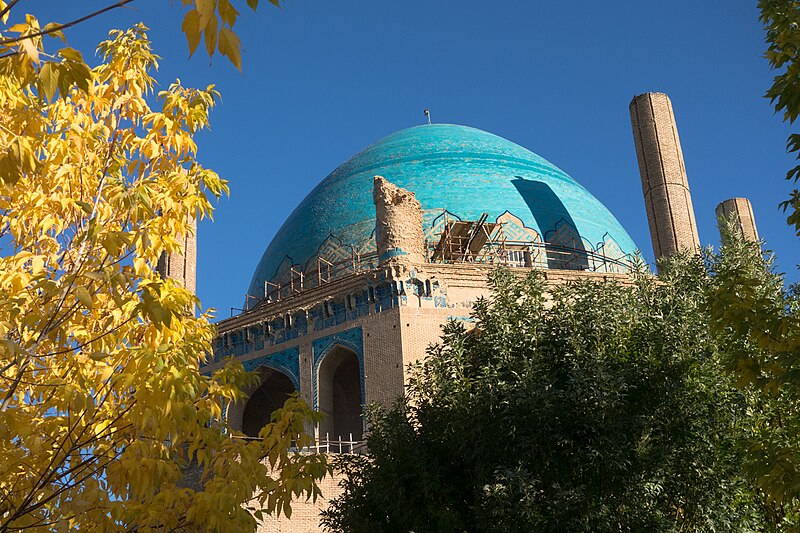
(182, 267)
(398, 224)
(740, 210)
(664, 183)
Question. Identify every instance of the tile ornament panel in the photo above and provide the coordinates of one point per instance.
(353, 340)
(286, 361)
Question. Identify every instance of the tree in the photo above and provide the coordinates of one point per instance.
(749, 306)
(759, 321)
(102, 404)
(781, 20)
(590, 406)
(211, 20)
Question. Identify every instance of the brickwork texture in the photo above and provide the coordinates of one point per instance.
(398, 224)
(741, 212)
(664, 182)
(182, 267)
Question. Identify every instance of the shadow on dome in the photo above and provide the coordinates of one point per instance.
(549, 212)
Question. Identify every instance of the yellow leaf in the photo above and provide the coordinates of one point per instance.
(229, 47)
(143, 347)
(191, 27)
(210, 35)
(205, 9)
(101, 427)
(37, 264)
(48, 76)
(71, 54)
(31, 50)
(106, 373)
(98, 356)
(84, 297)
(227, 12)
(53, 32)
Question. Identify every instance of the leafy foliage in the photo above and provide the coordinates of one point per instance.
(102, 404)
(781, 19)
(590, 406)
(759, 323)
(211, 20)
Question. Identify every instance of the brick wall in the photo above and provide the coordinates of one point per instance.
(305, 514)
(394, 334)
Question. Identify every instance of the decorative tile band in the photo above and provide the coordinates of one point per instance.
(286, 362)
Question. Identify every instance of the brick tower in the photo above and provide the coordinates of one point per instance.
(182, 267)
(664, 182)
(740, 210)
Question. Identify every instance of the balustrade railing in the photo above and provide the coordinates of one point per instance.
(521, 254)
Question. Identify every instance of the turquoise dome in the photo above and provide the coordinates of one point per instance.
(462, 170)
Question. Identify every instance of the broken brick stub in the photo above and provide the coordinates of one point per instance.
(398, 224)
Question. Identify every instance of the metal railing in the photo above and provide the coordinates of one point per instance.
(326, 445)
(295, 280)
(529, 254)
(522, 254)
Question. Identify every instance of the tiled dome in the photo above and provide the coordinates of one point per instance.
(462, 170)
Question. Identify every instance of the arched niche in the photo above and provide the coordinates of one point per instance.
(339, 397)
(254, 411)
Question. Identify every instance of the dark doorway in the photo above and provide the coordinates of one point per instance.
(270, 395)
(339, 382)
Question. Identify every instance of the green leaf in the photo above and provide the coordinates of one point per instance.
(253, 4)
(86, 206)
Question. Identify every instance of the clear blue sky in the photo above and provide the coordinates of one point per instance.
(323, 79)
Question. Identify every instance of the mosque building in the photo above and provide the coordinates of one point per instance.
(399, 240)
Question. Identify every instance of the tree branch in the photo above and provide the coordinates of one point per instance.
(58, 27)
(8, 8)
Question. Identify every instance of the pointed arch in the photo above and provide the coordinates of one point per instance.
(260, 401)
(339, 397)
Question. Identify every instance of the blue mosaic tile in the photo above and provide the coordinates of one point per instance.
(455, 169)
(286, 361)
